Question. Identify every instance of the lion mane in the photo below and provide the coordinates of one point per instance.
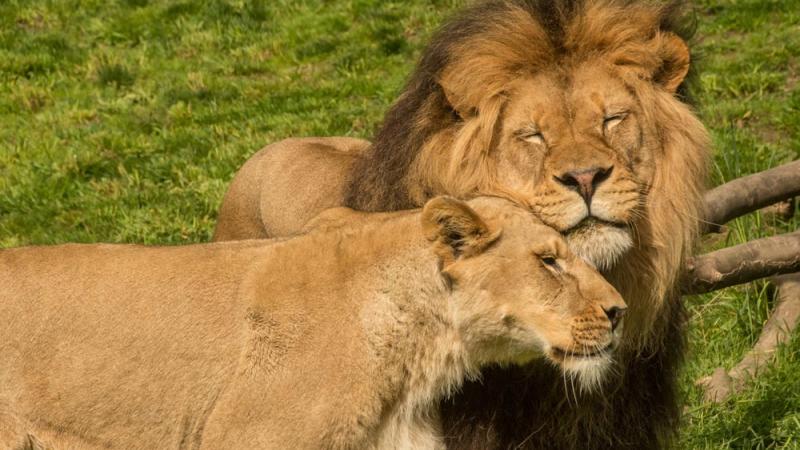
(439, 136)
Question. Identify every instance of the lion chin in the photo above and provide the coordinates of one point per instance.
(589, 371)
(601, 244)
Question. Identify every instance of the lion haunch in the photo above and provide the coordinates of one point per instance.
(342, 338)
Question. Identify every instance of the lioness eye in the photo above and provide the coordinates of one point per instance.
(551, 262)
(609, 122)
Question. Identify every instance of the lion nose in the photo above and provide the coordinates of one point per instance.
(614, 315)
(585, 181)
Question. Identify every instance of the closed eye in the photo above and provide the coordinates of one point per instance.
(611, 121)
(532, 136)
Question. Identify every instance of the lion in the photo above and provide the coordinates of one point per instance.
(258, 203)
(343, 338)
(574, 110)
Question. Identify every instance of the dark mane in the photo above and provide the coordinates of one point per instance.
(422, 110)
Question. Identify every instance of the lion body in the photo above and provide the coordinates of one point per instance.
(572, 109)
(284, 185)
(345, 338)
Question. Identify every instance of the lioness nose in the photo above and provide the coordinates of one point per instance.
(585, 181)
(614, 315)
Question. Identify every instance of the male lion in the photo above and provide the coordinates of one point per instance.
(345, 338)
(572, 109)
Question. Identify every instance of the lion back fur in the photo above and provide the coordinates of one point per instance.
(483, 47)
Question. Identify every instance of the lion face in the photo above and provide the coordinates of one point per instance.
(577, 151)
(517, 283)
(578, 118)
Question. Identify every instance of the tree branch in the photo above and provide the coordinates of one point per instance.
(778, 330)
(748, 262)
(747, 194)
(743, 263)
(783, 209)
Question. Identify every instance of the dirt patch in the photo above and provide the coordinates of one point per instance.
(792, 78)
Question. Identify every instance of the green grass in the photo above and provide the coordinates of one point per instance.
(124, 120)
(750, 100)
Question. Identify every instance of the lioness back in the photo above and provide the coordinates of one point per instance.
(147, 330)
(213, 345)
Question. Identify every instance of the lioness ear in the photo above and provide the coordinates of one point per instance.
(675, 58)
(455, 229)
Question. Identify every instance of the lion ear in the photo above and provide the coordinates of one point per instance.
(457, 103)
(675, 58)
(455, 229)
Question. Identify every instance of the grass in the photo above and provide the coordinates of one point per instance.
(123, 121)
(750, 100)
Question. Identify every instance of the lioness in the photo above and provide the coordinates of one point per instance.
(343, 338)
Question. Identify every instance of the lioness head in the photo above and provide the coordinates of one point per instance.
(520, 292)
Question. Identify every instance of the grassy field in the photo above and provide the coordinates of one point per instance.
(123, 121)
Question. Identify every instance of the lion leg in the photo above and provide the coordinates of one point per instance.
(19, 434)
(16, 433)
(13, 430)
(284, 185)
(241, 419)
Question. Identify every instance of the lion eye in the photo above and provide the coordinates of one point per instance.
(609, 122)
(533, 138)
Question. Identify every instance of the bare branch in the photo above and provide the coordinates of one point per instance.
(747, 194)
(742, 263)
(751, 261)
(783, 210)
(778, 330)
